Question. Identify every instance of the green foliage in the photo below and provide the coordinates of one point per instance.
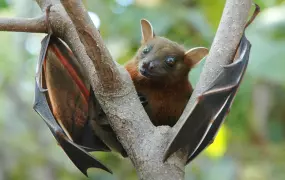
(267, 35)
(3, 4)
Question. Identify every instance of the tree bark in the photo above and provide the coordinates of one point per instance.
(34, 25)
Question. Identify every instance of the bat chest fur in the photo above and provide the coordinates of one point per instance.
(165, 106)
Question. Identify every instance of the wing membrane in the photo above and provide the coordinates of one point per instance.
(61, 99)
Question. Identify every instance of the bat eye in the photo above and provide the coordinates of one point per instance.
(170, 61)
(146, 50)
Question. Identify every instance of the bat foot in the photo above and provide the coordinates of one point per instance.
(143, 99)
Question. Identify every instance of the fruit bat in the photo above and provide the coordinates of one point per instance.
(202, 123)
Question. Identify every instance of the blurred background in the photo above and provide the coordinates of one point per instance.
(250, 146)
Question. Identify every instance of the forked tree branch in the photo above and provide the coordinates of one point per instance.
(113, 87)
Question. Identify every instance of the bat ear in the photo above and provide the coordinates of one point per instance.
(193, 56)
(147, 30)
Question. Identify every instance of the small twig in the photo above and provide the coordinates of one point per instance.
(33, 25)
(255, 13)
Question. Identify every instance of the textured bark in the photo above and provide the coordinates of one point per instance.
(144, 143)
(36, 25)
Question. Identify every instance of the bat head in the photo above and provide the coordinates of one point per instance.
(162, 59)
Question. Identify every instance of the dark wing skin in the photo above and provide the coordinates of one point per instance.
(82, 159)
(64, 104)
(240, 65)
(201, 125)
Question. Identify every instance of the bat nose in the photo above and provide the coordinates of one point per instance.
(145, 65)
(151, 66)
(148, 65)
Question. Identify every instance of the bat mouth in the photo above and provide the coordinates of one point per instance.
(146, 73)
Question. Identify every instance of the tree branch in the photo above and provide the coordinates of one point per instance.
(224, 46)
(33, 25)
